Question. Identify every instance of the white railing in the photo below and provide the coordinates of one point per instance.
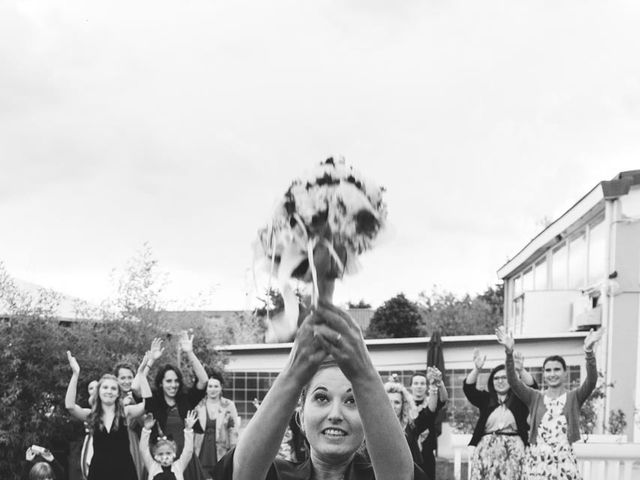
(608, 460)
(597, 461)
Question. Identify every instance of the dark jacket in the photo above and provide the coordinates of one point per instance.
(359, 469)
(423, 455)
(487, 402)
(184, 401)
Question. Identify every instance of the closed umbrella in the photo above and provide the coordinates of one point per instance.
(435, 358)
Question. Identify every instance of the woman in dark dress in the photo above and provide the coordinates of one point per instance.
(430, 396)
(171, 401)
(107, 422)
(406, 411)
(343, 402)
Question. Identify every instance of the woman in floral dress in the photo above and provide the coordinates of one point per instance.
(500, 434)
(555, 414)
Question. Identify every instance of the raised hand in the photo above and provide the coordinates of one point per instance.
(434, 376)
(505, 338)
(478, 359)
(307, 353)
(191, 419)
(186, 341)
(30, 455)
(518, 361)
(128, 399)
(47, 455)
(592, 338)
(148, 421)
(73, 363)
(144, 363)
(156, 349)
(341, 337)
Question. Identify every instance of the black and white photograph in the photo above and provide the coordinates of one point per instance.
(292, 240)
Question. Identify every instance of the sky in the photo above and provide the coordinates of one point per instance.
(181, 124)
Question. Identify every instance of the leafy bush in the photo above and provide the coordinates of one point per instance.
(463, 418)
(35, 374)
(617, 422)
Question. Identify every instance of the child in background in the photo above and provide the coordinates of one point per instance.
(162, 465)
(42, 465)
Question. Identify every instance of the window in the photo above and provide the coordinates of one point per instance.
(517, 286)
(597, 252)
(527, 280)
(578, 261)
(540, 278)
(518, 314)
(559, 268)
(453, 378)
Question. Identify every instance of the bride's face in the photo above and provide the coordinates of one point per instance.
(330, 417)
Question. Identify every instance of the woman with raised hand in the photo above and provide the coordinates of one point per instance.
(218, 418)
(430, 396)
(343, 404)
(130, 394)
(554, 414)
(500, 434)
(171, 401)
(406, 411)
(107, 422)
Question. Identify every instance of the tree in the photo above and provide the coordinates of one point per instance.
(35, 372)
(464, 315)
(360, 304)
(138, 286)
(395, 318)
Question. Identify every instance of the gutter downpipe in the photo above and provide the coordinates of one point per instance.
(610, 216)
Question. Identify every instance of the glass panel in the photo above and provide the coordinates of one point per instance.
(540, 275)
(577, 262)
(559, 268)
(527, 280)
(597, 253)
(517, 286)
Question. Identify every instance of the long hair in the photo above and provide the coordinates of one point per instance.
(214, 375)
(409, 411)
(160, 376)
(94, 422)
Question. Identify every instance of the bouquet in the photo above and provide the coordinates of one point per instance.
(319, 227)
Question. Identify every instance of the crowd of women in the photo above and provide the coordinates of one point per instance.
(135, 432)
(329, 401)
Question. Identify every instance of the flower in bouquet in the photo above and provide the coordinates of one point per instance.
(333, 210)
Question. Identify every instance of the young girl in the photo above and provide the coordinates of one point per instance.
(553, 414)
(161, 461)
(107, 421)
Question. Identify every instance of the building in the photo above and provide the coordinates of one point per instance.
(252, 368)
(583, 271)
